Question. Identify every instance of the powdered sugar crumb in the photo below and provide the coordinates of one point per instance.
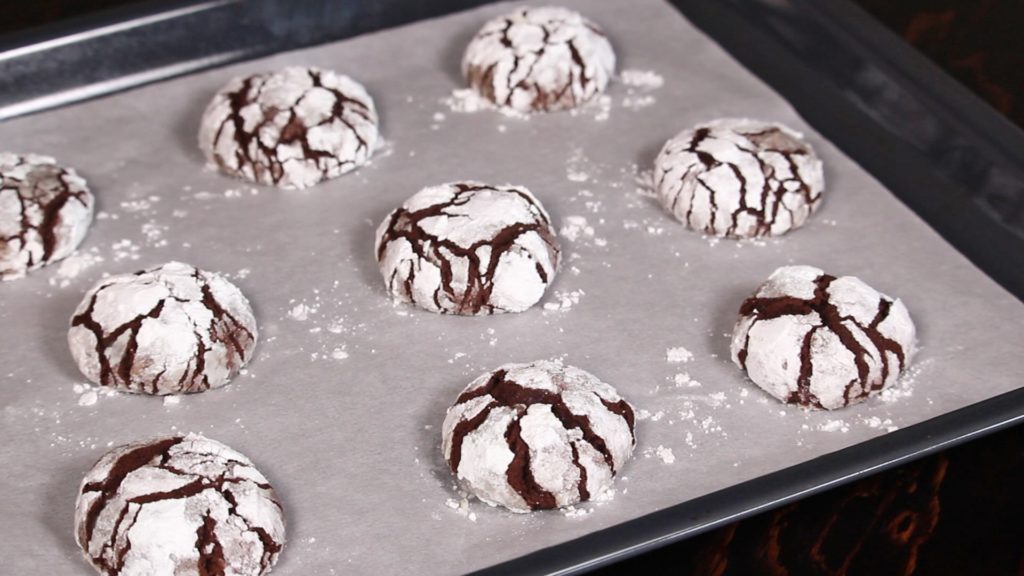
(575, 228)
(468, 101)
(638, 102)
(88, 394)
(576, 512)
(678, 354)
(599, 108)
(124, 249)
(836, 425)
(72, 266)
(88, 398)
(300, 312)
(683, 380)
(644, 182)
(461, 506)
(647, 79)
(904, 387)
(563, 301)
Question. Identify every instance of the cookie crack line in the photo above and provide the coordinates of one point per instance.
(828, 317)
(104, 340)
(259, 127)
(45, 228)
(475, 296)
(790, 191)
(506, 393)
(218, 341)
(126, 464)
(208, 484)
(566, 66)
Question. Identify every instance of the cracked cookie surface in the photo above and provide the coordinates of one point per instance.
(537, 436)
(539, 60)
(292, 128)
(468, 248)
(173, 329)
(45, 212)
(819, 341)
(739, 178)
(178, 506)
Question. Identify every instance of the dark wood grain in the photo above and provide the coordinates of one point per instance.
(979, 42)
(958, 512)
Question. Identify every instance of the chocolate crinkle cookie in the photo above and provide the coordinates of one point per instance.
(293, 128)
(819, 341)
(539, 60)
(739, 178)
(468, 248)
(178, 506)
(538, 436)
(45, 212)
(173, 329)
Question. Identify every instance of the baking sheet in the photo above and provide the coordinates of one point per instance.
(342, 406)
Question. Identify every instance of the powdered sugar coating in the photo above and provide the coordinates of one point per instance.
(178, 506)
(812, 339)
(739, 178)
(45, 212)
(539, 60)
(537, 436)
(173, 329)
(468, 248)
(292, 128)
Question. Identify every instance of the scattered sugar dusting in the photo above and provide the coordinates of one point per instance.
(639, 84)
(576, 511)
(646, 79)
(638, 102)
(467, 101)
(662, 453)
(89, 395)
(88, 398)
(73, 266)
(643, 181)
(678, 355)
(154, 232)
(300, 312)
(576, 167)
(124, 249)
(904, 387)
(684, 380)
(461, 505)
(834, 425)
(576, 227)
(599, 108)
(563, 301)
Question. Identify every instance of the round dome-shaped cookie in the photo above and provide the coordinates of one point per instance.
(45, 211)
(178, 506)
(292, 128)
(173, 329)
(539, 60)
(468, 248)
(819, 341)
(537, 436)
(739, 178)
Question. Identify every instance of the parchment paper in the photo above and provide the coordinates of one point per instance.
(352, 443)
